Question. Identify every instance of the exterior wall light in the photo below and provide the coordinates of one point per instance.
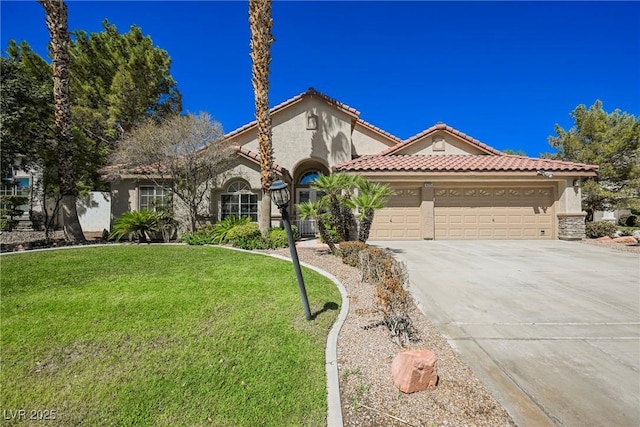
(577, 183)
(281, 197)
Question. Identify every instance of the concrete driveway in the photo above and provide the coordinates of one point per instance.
(552, 328)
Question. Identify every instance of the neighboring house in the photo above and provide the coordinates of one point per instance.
(447, 184)
(20, 183)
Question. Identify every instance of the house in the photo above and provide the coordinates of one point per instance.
(447, 184)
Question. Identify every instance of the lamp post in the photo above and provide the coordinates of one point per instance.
(280, 196)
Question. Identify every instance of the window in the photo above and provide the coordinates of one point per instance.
(239, 201)
(304, 192)
(18, 186)
(153, 197)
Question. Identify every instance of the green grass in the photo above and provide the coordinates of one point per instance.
(162, 336)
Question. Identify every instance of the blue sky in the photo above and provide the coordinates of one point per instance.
(503, 72)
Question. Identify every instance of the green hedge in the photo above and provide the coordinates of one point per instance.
(596, 229)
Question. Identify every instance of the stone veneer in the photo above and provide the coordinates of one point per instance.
(571, 226)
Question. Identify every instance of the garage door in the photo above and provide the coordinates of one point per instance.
(494, 213)
(400, 219)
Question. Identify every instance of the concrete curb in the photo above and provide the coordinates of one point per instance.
(334, 406)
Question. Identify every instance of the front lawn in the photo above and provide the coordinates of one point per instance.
(162, 336)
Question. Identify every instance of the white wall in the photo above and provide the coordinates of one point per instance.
(94, 211)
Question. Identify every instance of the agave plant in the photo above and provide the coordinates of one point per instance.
(317, 210)
(135, 224)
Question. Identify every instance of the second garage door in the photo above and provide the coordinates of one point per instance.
(494, 213)
(400, 219)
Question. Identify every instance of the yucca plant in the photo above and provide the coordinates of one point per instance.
(135, 224)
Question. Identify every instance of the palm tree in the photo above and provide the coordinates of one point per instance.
(260, 23)
(56, 18)
(334, 186)
(370, 197)
(317, 210)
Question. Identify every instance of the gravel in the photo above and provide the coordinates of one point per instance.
(368, 395)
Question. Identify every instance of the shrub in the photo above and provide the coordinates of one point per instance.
(628, 220)
(278, 238)
(389, 277)
(350, 252)
(202, 236)
(6, 224)
(251, 242)
(221, 228)
(242, 232)
(295, 232)
(135, 224)
(600, 229)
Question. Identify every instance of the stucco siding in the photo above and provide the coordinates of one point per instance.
(451, 145)
(124, 197)
(365, 141)
(570, 197)
(292, 141)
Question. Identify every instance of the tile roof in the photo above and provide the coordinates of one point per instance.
(114, 171)
(441, 126)
(460, 163)
(309, 92)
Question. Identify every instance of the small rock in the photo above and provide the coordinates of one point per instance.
(628, 240)
(636, 235)
(414, 370)
(604, 239)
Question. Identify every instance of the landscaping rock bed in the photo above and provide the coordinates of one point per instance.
(610, 244)
(368, 394)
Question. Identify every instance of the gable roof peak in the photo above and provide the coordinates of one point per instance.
(283, 105)
(445, 127)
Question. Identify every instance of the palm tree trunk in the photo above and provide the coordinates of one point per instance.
(260, 23)
(56, 11)
(325, 236)
(365, 226)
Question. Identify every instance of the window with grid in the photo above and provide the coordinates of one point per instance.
(153, 197)
(19, 187)
(239, 201)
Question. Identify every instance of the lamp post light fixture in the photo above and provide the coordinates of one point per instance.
(280, 196)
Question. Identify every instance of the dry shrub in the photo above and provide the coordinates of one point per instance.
(389, 277)
(350, 252)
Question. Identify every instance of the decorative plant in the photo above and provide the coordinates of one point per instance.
(222, 228)
(136, 224)
(317, 210)
(11, 211)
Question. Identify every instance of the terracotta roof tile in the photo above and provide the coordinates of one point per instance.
(309, 92)
(460, 163)
(441, 126)
(112, 171)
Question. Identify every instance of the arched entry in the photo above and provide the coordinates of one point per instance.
(305, 173)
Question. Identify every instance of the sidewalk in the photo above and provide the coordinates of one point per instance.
(311, 243)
